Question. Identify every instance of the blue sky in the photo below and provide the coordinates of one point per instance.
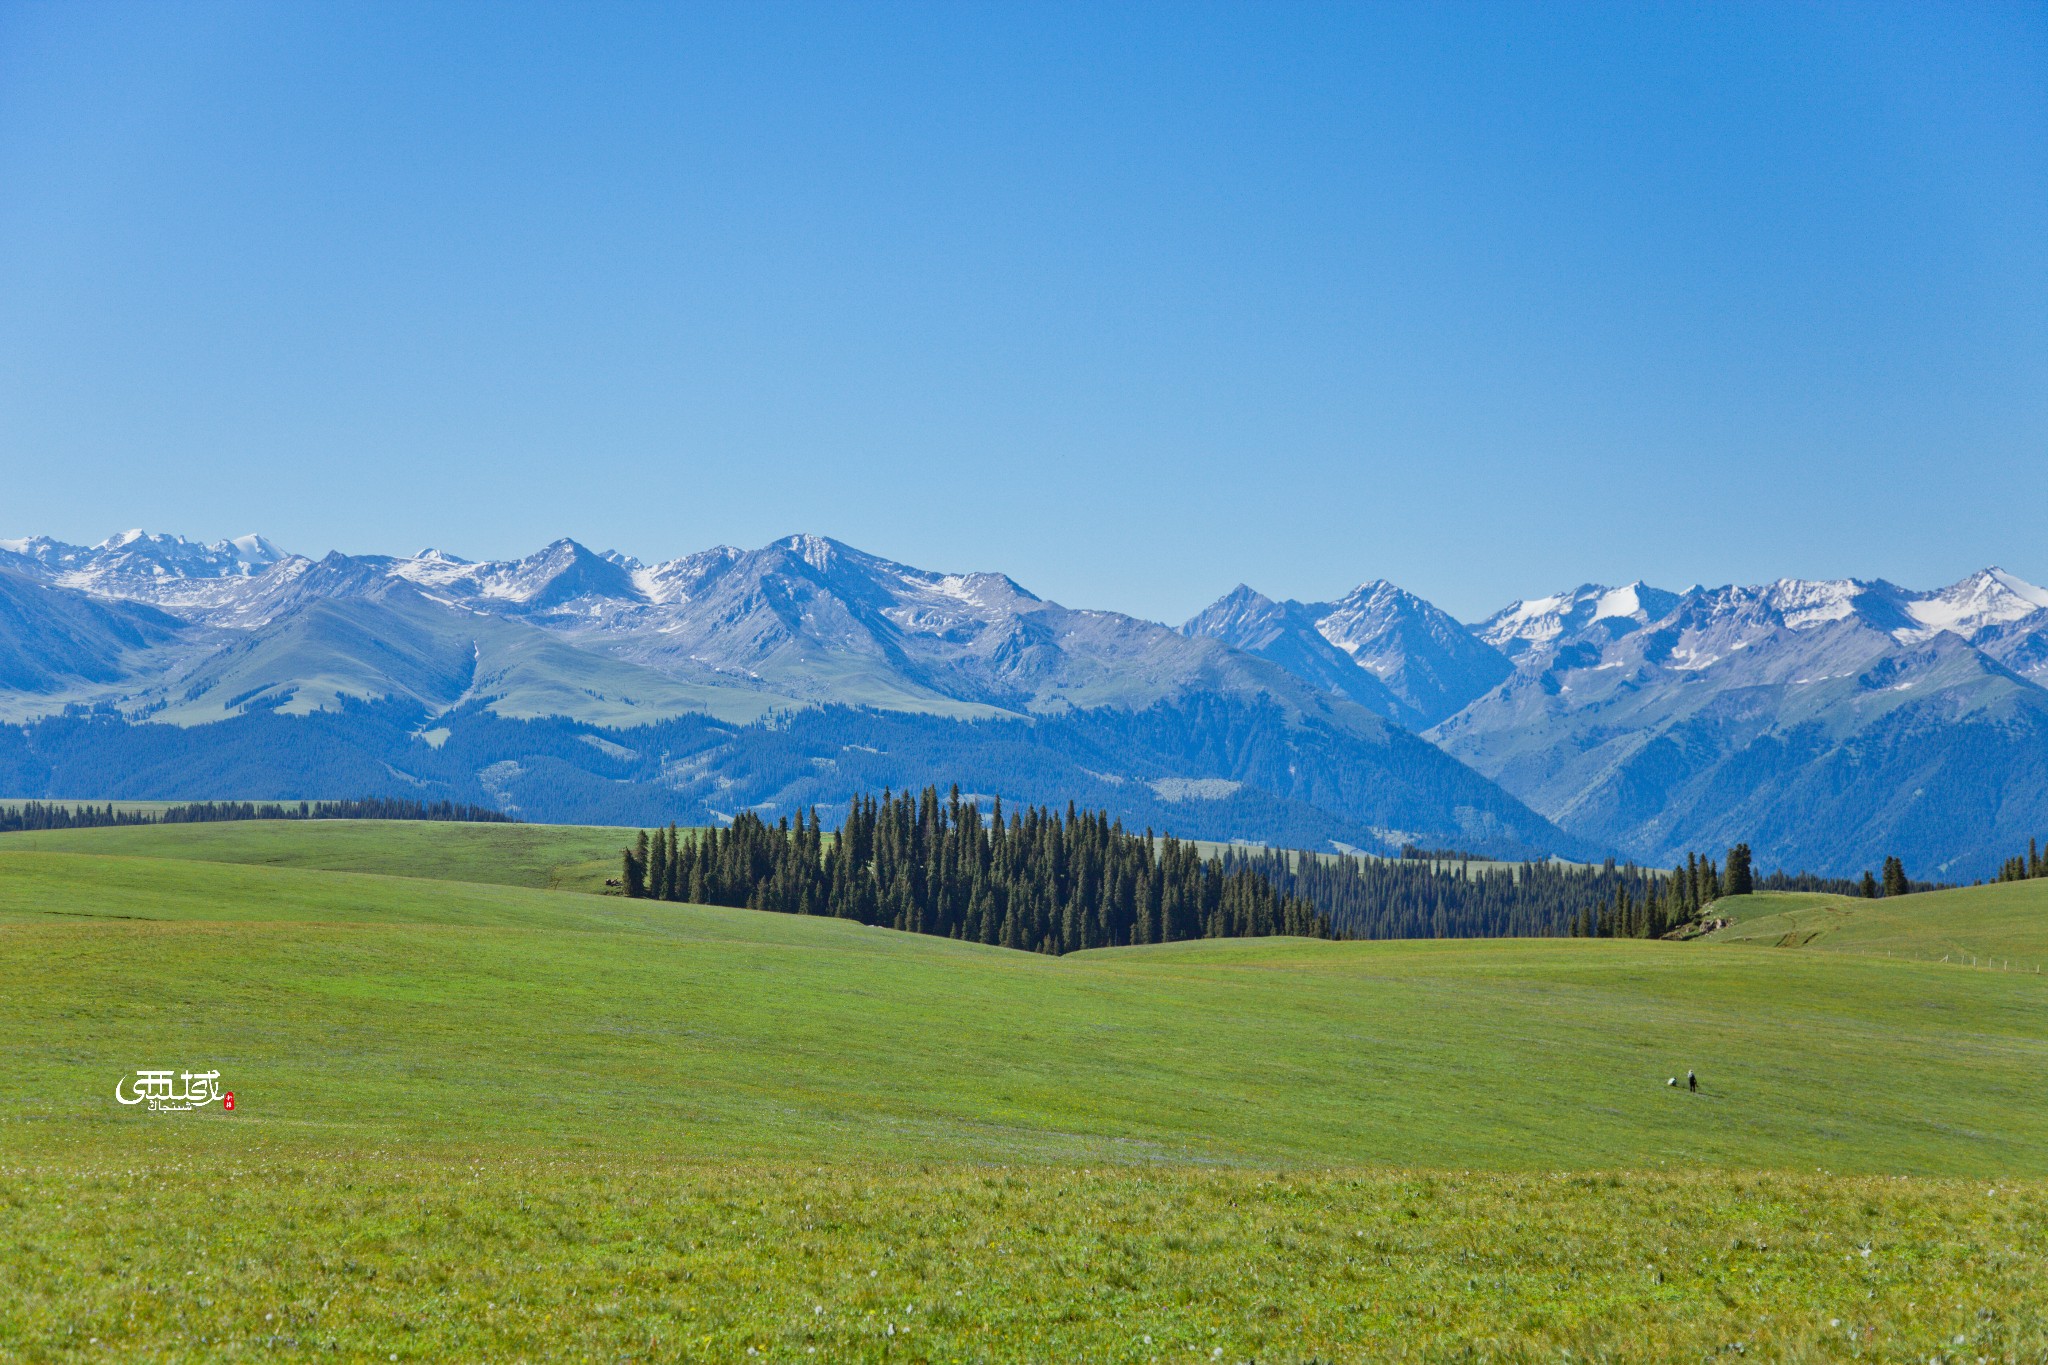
(1130, 302)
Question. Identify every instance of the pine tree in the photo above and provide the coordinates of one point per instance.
(1895, 883)
(1740, 881)
(1869, 885)
(657, 866)
(636, 867)
(926, 864)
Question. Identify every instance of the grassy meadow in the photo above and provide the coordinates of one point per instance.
(481, 1118)
(1999, 927)
(561, 857)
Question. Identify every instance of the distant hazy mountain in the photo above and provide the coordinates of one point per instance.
(1385, 648)
(1534, 625)
(1286, 634)
(1826, 723)
(60, 642)
(1155, 722)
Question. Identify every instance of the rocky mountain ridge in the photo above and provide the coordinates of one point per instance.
(1149, 717)
(1825, 721)
(1817, 718)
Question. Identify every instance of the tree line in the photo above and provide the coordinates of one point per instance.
(1052, 883)
(48, 815)
(2025, 866)
(1034, 879)
(1417, 896)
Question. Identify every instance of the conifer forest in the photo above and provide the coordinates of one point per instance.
(1035, 879)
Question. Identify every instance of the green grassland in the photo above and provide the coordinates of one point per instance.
(127, 807)
(374, 1256)
(1741, 909)
(2003, 926)
(561, 857)
(484, 1119)
(558, 857)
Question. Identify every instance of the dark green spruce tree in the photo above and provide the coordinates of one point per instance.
(1740, 881)
(928, 864)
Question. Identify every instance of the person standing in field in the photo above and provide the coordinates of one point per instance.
(1692, 1082)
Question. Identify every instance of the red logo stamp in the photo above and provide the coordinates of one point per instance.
(227, 1101)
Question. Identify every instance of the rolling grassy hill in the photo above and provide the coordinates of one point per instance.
(562, 857)
(2004, 925)
(474, 1116)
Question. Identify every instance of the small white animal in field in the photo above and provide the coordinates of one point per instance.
(1672, 1081)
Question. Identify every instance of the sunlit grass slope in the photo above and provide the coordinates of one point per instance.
(484, 1121)
(383, 1256)
(564, 857)
(362, 1010)
(2002, 926)
(1742, 909)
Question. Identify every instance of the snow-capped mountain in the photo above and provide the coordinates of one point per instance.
(1385, 648)
(1819, 719)
(1286, 634)
(141, 557)
(1532, 624)
(1981, 609)
(1825, 721)
(227, 580)
(1419, 651)
(549, 579)
(460, 651)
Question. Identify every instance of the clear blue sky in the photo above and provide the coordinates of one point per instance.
(1130, 302)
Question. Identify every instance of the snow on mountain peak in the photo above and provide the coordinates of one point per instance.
(1804, 603)
(551, 576)
(1373, 591)
(1989, 597)
(675, 581)
(1359, 623)
(252, 550)
(2018, 587)
(1536, 620)
(138, 553)
(1619, 602)
(816, 551)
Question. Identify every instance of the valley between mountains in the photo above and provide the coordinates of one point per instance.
(1828, 724)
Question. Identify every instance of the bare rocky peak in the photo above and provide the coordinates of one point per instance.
(1245, 618)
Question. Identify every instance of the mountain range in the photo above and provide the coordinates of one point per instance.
(1826, 723)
